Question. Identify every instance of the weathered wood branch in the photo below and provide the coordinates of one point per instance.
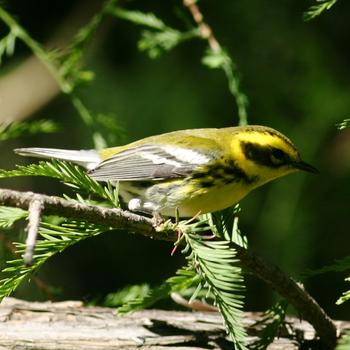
(296, 295)
(34, 218)
(116, 218)
(69, 325)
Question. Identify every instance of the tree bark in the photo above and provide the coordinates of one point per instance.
(69, 325)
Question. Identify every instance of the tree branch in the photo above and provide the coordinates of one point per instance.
(294, 293)
(205, 30)
(34, 218)
(115, 218)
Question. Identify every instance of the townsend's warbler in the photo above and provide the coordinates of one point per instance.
(192, 171)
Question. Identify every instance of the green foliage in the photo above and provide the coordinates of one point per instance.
(345, 296)
(8, 216)
(7, 44)
(224, 225)
(316, 10)
(126, 295)
(212, 269)
(155, 44)
(271, 322)
(344, 124)
(183, 280)
(36, 48)
(149, 20)
(66, 70)
(70, 174)
(344, 342)
(71, 60)
(221, 60)
(17, 129)
(338, 266)
(64, 67)
(215, 261)
(161, 39)
(111, 127)
(55, 239)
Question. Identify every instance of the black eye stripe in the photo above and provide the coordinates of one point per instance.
(278, 153)
(264, 155)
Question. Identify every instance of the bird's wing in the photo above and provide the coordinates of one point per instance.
(150, 162)
(86, 158)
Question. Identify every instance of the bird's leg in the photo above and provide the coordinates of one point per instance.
(157, 219)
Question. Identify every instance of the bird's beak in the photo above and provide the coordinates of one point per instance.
(301, 165)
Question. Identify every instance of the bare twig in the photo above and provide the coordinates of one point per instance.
(307, 307)
(34, 217)
(205, 30)
(196, 305)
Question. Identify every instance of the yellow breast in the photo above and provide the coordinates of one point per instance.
(217, 198)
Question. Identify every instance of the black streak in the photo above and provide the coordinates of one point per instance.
(263, 155)
(206, 184)
(237, 173)
(223, 173)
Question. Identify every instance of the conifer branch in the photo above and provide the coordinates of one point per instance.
(318, 8)
(116, 218)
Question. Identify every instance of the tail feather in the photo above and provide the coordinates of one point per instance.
(86, 158)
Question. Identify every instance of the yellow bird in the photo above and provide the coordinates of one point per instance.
(192, 171)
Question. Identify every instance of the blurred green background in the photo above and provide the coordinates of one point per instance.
(296, 75)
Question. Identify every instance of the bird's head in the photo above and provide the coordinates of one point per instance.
(267, 154)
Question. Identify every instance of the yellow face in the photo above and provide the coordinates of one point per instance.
(266, 154)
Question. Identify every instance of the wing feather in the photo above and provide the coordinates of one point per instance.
(149, 162)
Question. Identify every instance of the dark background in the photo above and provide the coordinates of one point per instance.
(296, 77)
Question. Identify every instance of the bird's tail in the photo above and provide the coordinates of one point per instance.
(86, 158)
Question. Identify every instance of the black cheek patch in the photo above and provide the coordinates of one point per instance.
(259, 154)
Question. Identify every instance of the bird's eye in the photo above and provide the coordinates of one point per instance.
(277, 156)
